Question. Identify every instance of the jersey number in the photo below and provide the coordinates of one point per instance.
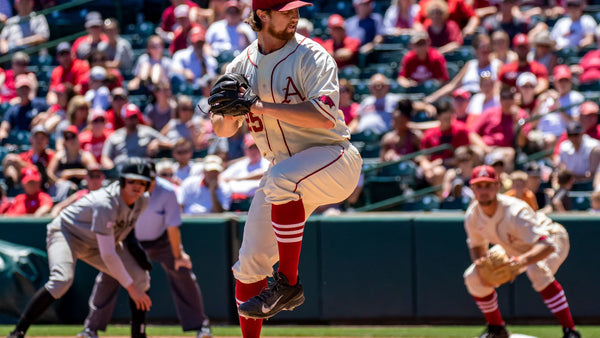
(254, 123)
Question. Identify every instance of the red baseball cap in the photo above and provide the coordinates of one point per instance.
(335, 20)
(520, 40)
(461, 92)
(22, 80)
(483, 173)
(132, 110)
(30, 173)
(71, 129)
(197, 33)
(278, 5)
(561, 72)
(588, 108)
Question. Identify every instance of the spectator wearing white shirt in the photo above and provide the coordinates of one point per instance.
(205, 194)
(24, 29)
(98, 95)
(183, 166)
(575, 29)
(579, 154)
(561, 106)
(231, 33)
(375, 111)
(246, 173)
(191, 64)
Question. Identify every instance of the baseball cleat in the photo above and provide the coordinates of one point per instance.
(570, 333)
(87, 333)
(16, 334)
(495, 331)
(278, 297)
(204, 332)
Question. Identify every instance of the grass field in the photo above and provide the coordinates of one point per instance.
(541, 331)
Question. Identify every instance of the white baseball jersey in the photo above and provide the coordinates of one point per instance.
(298, 72)
(514, 226)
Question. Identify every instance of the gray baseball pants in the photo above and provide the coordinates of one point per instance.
(184, 289)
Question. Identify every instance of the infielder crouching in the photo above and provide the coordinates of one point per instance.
(535, 243)
(92, 229)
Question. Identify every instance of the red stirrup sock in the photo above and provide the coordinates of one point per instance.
(243, 292)
(489, 306)
(556, 301)
(288, 224)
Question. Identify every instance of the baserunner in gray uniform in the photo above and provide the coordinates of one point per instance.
(157, 229)
(92, 229)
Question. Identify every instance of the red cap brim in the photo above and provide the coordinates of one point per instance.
(291, 5)
(482, 179)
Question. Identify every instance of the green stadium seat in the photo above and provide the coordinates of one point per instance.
(583, 186)
(349, 72)
(580, 203)
(381, 68)
(240, 204)
(401, 40)
(453, 203)
(427, 203)
(17, 137)
(589, 86)
(402, 169)
(460, 55)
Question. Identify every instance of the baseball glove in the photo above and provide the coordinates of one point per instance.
(497, 268)
(226, 98)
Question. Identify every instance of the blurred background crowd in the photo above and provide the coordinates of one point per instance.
(429, 90)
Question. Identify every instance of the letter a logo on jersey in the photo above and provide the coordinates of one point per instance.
(291, 90)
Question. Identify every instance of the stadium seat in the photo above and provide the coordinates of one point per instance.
(240, 204)
(453, 203)
(349, 72)
(427, 203)
(382, 68)
(401, 40)
(460, 55)
(589, 86)
(580, 202)
(583, 186)
(402, 169)
(17, 137)
(425, 88)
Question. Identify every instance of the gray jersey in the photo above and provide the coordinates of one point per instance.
(101, 212)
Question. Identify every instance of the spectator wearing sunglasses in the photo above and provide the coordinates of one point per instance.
(68, 167)
(19, 63)
(184, 167)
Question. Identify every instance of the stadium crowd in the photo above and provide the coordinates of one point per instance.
(512, 84)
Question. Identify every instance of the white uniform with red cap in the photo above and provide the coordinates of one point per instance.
(319, 166)
(516, 228)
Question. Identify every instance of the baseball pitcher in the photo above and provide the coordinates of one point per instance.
(285, 87)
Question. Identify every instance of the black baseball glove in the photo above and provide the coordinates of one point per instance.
(226, 97)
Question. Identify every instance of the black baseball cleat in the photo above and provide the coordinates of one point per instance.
(16, 334)
(570, 333)
(495, 331)
(278, 297)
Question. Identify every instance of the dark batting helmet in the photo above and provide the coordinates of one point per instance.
(136, 169)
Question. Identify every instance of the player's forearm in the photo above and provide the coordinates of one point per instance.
(108, 253)
(540, 250)
(300, 114)
(226, 126)
(175, 240)
(477, 252)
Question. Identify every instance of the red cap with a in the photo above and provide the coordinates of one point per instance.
(278, 5)
(30, 173)
(71, 129)
(561, 72)
(483, 173)
(335, 20)
(132, 110)
(520, 40)
(462, 93)
(197, 33)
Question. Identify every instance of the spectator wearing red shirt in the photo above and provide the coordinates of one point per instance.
(450, 131)
(459, 12)
(39, 155)
(511, 71)
(114, 118)
(19, 63)
(589, 65)
(443, 33)
(34, 201)
(168, 22)
(69, 70)
(348, 106)
(588, 117)
(496, 125)
(180, 36)
(87, 44)
(422, 63)
(92, 139)
(343, 48)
